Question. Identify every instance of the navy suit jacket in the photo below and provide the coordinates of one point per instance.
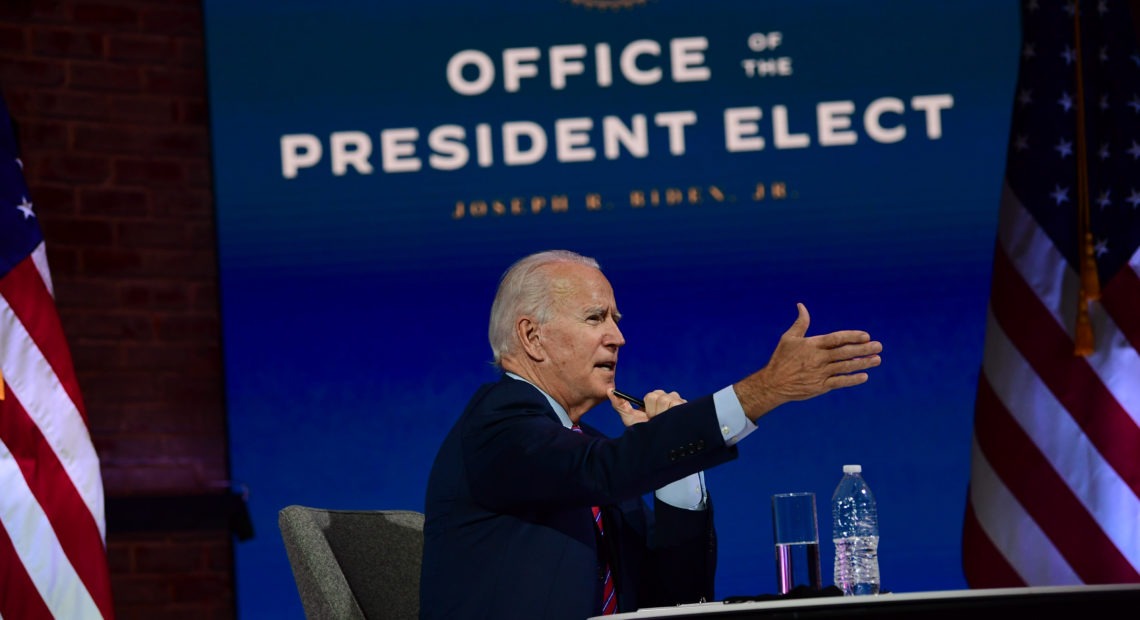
(509, 531)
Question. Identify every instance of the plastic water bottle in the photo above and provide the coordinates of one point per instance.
(855, 532)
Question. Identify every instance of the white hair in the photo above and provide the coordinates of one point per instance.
(524, 289)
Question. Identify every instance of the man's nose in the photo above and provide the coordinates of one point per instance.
(616, 337)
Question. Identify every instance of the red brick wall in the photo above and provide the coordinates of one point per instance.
(110, 101)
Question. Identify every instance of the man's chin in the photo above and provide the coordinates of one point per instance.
(604, 395)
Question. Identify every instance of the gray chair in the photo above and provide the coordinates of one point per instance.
(361, 564)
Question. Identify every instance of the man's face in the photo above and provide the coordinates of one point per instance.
(581, 340)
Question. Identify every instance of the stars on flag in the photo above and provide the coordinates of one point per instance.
(1101, 247)
(1060, 194)
(25, 207)
(1134, 199)
(1104, 199)
(1110, 112)
(1069, 55)
(1064, 147)
(1066, 101)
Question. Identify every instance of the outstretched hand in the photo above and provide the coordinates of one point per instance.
(802, 367)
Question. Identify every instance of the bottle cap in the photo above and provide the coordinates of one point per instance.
(852, 469)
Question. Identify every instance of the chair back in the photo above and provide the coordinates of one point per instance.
(360, 564)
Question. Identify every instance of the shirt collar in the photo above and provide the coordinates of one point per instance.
(558, 410)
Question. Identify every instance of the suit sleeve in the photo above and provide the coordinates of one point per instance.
(520, 459)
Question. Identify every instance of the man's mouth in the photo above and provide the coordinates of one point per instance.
(610, 366)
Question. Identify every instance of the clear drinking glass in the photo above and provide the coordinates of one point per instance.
(796, 532)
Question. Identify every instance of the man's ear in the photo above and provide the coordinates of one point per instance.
(527, 330)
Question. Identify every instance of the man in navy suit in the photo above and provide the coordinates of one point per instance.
(511, 529)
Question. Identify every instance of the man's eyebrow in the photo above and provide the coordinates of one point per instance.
(603, 310)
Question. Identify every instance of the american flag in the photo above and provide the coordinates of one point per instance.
(53, 561)
(1054, 495)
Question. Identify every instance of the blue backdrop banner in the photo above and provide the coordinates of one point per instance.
(379, 164)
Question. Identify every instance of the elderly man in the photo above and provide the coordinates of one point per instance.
(531, 514)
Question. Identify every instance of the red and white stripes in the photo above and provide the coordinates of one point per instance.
(52, 551)
(1055, 476)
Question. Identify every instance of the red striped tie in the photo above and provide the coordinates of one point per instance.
(609, 597)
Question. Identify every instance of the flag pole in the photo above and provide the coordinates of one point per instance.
(1086, 248)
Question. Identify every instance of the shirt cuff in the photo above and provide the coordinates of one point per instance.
(734, 425)
(687, 493)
